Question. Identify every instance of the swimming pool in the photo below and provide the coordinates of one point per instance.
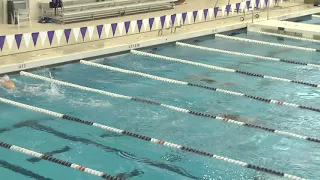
(127, 157)
(312, 20)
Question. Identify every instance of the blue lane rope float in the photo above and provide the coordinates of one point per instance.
(247, 55)
(266, 43)
(221, 68)
(173, 81)
(57, 161)
(134, 135)
(284, 36)
(169, 107)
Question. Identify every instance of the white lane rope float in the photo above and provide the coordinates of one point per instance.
(246, 55)
(173, 81)
(58, 161)
(316, 16)
(285, 36)
(172, 107)
(266, 43)
(134, 135)
(221, 68)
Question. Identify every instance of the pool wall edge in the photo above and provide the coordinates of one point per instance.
(14, 68)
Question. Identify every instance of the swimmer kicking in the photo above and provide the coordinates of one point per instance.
(242, 118)
(203, 78)
(7, 82)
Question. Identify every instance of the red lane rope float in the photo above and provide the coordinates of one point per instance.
(58, 161)
(169, 107)
(134, 135)
(173, 81)
(222, 68)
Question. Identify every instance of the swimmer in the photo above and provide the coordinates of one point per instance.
(212, 81)
(207, 80)
(6, 82)
(241, 118)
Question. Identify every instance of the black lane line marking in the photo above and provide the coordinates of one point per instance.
(35, 125)
(58, 151)
(21, 170)
(133, 173)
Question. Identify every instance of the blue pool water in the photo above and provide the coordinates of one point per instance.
(135, 159)
(313, 20)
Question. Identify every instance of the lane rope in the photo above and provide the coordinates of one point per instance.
(285, 36)
(247, 55)
(266, 43)
(57, 161)
(316, 16)
(137, 136)
(172, 107)
(173, 81)
(221, 68)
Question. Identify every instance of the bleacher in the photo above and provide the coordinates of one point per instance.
(84, 10)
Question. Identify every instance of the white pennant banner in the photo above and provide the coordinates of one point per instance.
(133, 25)
(107, 28)
(90, 31)
(168, 21)
(179, 17)
(145, 23)
(223, 9)
(43, 37)
(76, 32)
(121, 26)
(157, 22)
(210, 13)
(200, 14)
(27, 38)
(10, 39)
(233, 7)
(58, 34)
(189, 15)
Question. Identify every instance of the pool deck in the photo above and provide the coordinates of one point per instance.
(304, 30)
(29, 60)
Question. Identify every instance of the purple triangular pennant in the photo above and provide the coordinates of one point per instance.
(127, 26)
(215, 11)
(99, 29)
(162, 20)
(184, 17)
(2, 39)
(238, 7)
(35, 38)
(205, 13)
(50, 36)
(228, 7)
(195, 13)
(248, 4)
(18, 38)
(257, 3)
(151, 20)
(83, 31)
(173, 18)
(67, 34)
(114, 28)
(267, 2)
(139, 23)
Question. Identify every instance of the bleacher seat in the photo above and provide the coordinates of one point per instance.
(109, 8)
